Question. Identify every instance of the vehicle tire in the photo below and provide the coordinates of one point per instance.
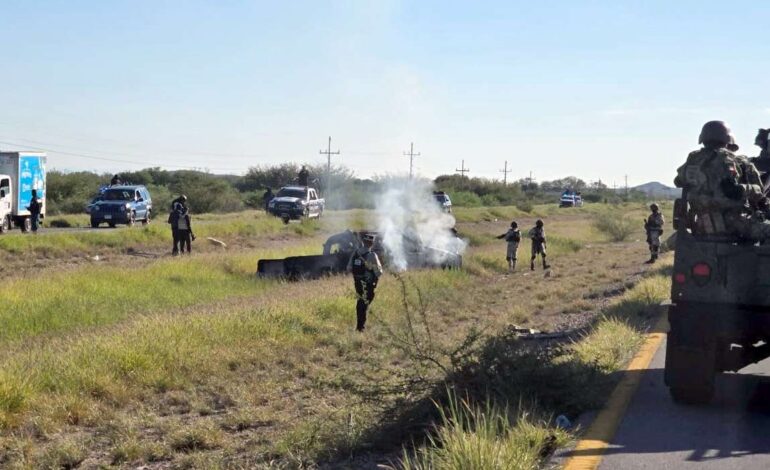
(5, 225)
(286, 220)
(111, 224)
(147, 218)
(94, 223)
(692, 395)
(26, 225)
(131, 219)
(690, 369)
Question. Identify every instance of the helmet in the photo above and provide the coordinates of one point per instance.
(183, 197)
(539, 223)
(732, 146)
(514, 224)
(654, 207)
(716, 131)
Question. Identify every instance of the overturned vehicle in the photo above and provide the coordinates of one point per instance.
(337, 250)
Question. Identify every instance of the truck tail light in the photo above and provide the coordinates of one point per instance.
(680, 278)
(701, 272)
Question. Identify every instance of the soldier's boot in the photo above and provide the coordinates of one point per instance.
(545, 265)
(532, 265)
(513, 265)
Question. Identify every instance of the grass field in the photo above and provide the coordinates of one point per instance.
(193, 362)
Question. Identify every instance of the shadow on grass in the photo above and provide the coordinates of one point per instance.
(545, 376)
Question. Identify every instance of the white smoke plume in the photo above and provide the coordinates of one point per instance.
(415, 231)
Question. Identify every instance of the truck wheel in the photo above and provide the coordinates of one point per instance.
(692, 396)
(285, 219)
(94, 223)
(131, 219)
(111, 224)
(690, 371)
(147, 218)
(5, 225)
(26, 226)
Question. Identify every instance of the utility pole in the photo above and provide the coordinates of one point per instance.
(328, 152)
(505, 172)
(462, 170)
(626, 177)
(411, 156)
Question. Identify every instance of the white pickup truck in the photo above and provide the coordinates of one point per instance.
(20, 173)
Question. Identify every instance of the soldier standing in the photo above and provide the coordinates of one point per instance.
(366, 269)
(653, 225)
(303, 176)
(267, 197)
(537, 235)
(762, 162)
(513, 237)
(722, 188)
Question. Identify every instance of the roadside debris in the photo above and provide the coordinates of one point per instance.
(216, 242)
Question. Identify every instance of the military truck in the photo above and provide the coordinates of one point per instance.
(720, 308)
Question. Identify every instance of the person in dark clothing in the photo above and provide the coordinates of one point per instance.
(366, 269)
(267, 197)
(34, 208)
(537, 235)
(115, 180)
(181, 228)
(303, 176)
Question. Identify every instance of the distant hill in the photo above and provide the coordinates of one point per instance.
(658, 190)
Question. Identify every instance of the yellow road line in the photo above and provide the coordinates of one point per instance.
(590, 449)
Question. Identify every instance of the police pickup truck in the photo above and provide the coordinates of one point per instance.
(296, 202)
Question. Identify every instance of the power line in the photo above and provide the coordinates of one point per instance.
(105, 159)
(505, 172)
(411, 155)
(462, 170)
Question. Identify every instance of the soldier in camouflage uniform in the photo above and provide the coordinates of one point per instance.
(513, 237)
(762, 162)
(653, 225)
(723, 189)
(537, 235)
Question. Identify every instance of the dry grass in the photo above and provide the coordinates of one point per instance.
(213, 368)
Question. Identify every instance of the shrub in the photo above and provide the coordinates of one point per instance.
(617, 227)
(466, 199)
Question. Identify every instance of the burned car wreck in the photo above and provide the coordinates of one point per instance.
(339, 247)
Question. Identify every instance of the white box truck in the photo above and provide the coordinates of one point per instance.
(20, 173)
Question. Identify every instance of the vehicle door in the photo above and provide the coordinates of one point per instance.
(5, 197)
(140, 205)
(147, 199)
(312, 202)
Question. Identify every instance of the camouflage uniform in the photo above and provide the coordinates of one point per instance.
(513, 237)
(537, 235)
(762, 162)
(654, 228)
(722, 188)
(366, 268)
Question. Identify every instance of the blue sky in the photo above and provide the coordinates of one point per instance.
(595, 89)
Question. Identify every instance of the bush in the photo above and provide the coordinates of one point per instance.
(617, 227)
(524, 205)
(466, 199)
(490, 200)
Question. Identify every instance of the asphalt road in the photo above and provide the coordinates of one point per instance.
(733, 432)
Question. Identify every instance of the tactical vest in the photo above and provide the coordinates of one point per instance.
(358, 265)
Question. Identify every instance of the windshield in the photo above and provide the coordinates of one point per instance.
(118, 195)
(286, 192)
(441, 198)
